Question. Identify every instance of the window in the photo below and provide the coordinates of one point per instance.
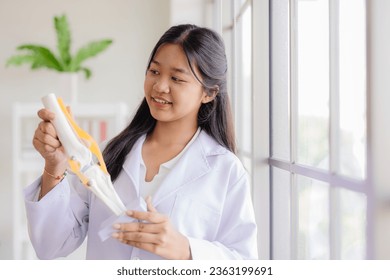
(237, 33)
(314, 136)
(318, 129)
(246, 41)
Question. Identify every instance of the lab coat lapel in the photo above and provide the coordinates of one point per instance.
(132, 163)
(192, 165)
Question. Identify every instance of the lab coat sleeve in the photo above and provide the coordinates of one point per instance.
(58, 223)
(237, 233)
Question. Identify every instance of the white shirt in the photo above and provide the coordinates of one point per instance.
(149, 188)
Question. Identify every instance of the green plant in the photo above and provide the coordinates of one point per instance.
(41, 57)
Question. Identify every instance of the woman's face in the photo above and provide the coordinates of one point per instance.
(171, 89)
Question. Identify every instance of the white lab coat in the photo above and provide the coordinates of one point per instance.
(206, 196)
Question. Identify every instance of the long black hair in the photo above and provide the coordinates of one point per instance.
(204, 50)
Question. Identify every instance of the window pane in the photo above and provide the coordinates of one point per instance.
(313, 83)
(313, 219)
(227, 37)
(280, 82)
(281, 208)
(353, 224)
(352, 58)
(238, 4)
(244, 82)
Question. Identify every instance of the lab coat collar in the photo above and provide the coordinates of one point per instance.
(131, 166)
(192, 165)
(209, 145)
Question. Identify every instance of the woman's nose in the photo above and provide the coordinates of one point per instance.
(161, 85)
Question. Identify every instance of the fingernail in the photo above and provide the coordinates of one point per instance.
(115, 235)
(116, 226)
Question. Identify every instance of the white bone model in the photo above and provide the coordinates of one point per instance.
(85, 162)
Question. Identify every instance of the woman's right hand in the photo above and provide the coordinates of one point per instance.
(46, 142)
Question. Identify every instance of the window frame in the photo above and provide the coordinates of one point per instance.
(331, 176)
(259, 141)
(378, 137)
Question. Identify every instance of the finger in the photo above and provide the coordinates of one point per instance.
(149, 204)
(138, 227)
(46, 115)
(47, 127)
(152, 217)
(44, 142)
(144, 246)
(47, 139)
(42, 148)
(141, 237)
(69, 109)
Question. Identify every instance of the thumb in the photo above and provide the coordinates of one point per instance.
(149, 204)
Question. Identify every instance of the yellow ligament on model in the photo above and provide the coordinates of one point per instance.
(87, 140)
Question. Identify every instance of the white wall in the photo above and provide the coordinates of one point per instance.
(118, 73)
(191, 11)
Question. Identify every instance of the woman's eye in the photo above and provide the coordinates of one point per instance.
(175, 79)
(154, 72)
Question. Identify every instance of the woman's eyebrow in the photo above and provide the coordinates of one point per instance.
(174, 69)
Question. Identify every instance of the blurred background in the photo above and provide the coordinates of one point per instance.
(308, 89)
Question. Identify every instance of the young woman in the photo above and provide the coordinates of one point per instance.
(174, 168)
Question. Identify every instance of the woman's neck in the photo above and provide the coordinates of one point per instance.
(172, 134)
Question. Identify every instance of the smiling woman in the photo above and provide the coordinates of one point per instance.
(171, 90)
(174, 167)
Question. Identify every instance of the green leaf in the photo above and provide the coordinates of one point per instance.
(63, 40)
(18, 60)
(43, 57)
(35, 61)
(87, 72)
(90, 50)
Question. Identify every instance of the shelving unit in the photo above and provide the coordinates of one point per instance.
(102, 121)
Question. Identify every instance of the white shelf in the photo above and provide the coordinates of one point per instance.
(102, 121)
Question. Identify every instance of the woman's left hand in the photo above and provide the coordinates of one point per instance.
(154, 233)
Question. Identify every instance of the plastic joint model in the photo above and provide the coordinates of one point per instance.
(84, 156)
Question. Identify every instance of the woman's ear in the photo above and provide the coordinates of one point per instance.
(210, 94)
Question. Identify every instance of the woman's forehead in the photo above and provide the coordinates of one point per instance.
(172, 56)
(167, 52)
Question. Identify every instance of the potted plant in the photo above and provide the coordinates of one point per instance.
(39, 56)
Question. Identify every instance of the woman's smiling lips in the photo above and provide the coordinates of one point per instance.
(161, 101)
